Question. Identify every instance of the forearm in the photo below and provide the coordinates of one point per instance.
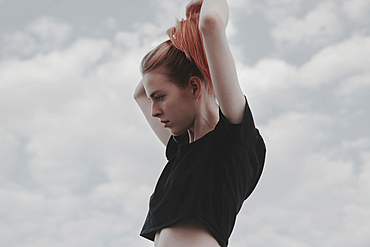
(145, 106)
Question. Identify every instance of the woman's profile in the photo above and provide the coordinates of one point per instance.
(191, 97)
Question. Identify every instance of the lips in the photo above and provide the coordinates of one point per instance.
(165, 123)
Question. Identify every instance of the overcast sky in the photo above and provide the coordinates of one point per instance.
(78, 161)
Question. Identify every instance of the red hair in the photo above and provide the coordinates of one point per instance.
(183, 55)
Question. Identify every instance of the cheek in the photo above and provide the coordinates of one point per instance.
(186, 111)
(182, 106)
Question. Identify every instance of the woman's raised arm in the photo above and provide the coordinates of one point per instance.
(213, 20)
(145, 106)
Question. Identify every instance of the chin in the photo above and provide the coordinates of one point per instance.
(177, 132)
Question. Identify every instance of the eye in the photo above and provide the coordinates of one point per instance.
(159, 98)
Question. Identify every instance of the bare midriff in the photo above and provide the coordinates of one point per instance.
(185, 233)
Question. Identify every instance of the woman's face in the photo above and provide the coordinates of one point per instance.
(174, 106)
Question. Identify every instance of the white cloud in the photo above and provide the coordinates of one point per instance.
(361, 143)
(310, 188)
(48, 27)
(268, 74)
(312, 194)
(364, 178)
(79, 162)
(44, 34)
(318, 27)
(169, 12)
(131, 40)
(65, 220)
(231, 29)
(335, 62)
(325, 173)
(277, 10)
(344, 65)
(356, 9)
(240, 4)
(261, 228)
(19, 42)
(268, 82)
(354, 84)
(356, 227)
(110, 23)
(288, 130)
(53, 78)
(70, 124)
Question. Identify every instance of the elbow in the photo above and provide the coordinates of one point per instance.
(139, 91)
(211, 23)
(136, 95)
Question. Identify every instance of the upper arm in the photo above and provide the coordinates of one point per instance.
(228, 92)
(145, 106)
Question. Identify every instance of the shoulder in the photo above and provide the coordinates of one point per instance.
(242, 133)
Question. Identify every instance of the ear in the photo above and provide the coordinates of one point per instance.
(196, 86)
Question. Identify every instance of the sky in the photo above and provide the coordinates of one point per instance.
(78, 162)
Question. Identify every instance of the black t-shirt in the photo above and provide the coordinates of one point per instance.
(208, 179)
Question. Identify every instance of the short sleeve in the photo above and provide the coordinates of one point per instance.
(244, 133)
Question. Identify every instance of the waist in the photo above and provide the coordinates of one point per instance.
(187, 232)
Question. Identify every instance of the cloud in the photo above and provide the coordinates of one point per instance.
(318, 27)
(312, 186)
(342, 65)
(312, 193)
(269, 74)
(341, 60)
(354, 84)
(44, 34)
(364, 178)
(240, 5)
(19, 42)
(110, 23)
(276, 11)
(356, 9)
(79, 162)
(71, 136)
(52, 78)
(48, 27)
(355, 214)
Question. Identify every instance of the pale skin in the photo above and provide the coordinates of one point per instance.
(172, 110)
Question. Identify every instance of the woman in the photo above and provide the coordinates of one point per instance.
(198, 110)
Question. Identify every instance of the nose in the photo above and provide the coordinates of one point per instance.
(156, 111)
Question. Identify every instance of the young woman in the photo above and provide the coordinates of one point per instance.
(191, 97)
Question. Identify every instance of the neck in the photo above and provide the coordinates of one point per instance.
(206, 119)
